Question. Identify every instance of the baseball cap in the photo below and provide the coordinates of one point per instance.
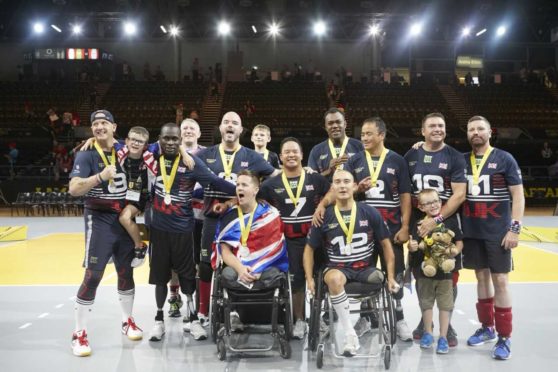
(102, 114)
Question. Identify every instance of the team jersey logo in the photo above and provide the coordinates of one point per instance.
(427, 159)
(363, 223)
(359, 169)
(279, 191)
(181, 170)
(211, 161)
(390, 171)
(443, 165)
(244, 164)
(293, 184)
(322, 157)
(350, 154)
(332, 226)
(412, 163)
(492, 165)
(309, 187)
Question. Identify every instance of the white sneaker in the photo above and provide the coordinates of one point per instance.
(131, 330)
(236, 324)
(204, 320)
(197, 331)
(299, 329)
(80, 344)
(362, 326)
(157, 331)
(403, 331)
(186, 325)
(351, 345)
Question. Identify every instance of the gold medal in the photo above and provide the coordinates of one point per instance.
(346, 249)
(475, 189)
(375, 172)
(334, 154)
(227, 165)
(111, 187)
(298, 187)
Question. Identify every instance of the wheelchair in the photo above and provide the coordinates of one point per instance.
(378, 299)
(261, 305)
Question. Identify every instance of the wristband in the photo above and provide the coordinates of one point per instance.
(515, 226)
(99, 178)
(439, 218)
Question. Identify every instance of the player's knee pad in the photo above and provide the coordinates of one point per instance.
(206, 272)
(125, 278)
(88, 287)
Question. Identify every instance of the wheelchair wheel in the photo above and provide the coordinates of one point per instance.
(314, 326)
(285, 347)
(390, 329)
(221, 349)
(387, 356)
(320, 357)
(288, 313)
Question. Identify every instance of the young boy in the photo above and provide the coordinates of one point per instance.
(438, 288)
(261, 136)
(132, 158)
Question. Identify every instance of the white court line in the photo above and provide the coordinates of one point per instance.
(59, 306)
(43, 315)
(539, 249)
(25, 326)
(23, 241)
(460, 312)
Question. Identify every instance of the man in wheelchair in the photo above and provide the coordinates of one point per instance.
(250, 239)
(347, 236)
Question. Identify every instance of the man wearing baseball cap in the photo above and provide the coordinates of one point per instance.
(98, 176)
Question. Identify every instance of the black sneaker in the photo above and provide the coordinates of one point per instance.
(175, 305)
(452, 337)
(419, 331)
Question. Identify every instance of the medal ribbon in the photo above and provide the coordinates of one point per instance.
(245, 229)
(227, 165)
(477, 170)
(375, 173)
(341, 151)
(298, 187)
(348, 232)
(168, 180)
(104, 158)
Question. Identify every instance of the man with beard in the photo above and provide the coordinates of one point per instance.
(491, 228)
(226, 160)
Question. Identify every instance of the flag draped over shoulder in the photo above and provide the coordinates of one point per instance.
(266, 241)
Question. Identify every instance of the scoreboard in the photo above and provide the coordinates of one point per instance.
(71, 54)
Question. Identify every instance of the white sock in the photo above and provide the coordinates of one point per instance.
(340, 303)
(82, 309)
(191, 308)
(126, 299)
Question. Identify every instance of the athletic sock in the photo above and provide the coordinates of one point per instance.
(204, 295)
(82, 308)
(160, 316)
(173, 290)
(126, 299)
(340, 303)
(503, 319)
(485, 311)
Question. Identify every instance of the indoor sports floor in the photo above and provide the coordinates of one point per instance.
(39, 278)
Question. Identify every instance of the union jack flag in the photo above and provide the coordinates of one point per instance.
(266, 241)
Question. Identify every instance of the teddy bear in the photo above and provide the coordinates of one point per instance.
(439, 251)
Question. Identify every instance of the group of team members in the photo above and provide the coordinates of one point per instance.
(353, 199)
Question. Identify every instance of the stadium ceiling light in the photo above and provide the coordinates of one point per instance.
(320, 28)
(500, 31)
(274, 29)
(224, 28)
(481, 32)
(130, 28)
(163, 29)
(56, 28)
(254, 29)
(374, 30)
(76, 29)
(38, 28)
(466, 31)
(416, 29)
(174, 30)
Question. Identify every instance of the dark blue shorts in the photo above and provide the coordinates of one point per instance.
(105, 237)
